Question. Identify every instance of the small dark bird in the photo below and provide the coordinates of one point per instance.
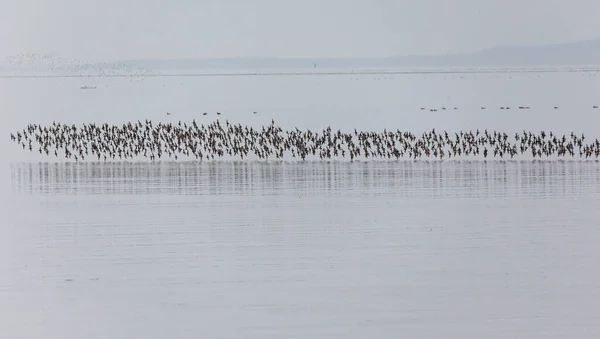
(168, 113)
(204, 113)
(254, 112)
(218, 113)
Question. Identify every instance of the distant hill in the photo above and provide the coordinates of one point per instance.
(574, 54)
(583, 53)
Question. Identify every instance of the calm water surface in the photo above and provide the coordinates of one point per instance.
(302, 250)
(284, 250)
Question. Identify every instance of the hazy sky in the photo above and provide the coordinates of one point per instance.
(122, 29)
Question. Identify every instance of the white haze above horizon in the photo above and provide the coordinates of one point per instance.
(133, 29)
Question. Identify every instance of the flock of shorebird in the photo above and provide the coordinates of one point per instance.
(443, 108)
(216, 140)
(205, 113)
(483, 107)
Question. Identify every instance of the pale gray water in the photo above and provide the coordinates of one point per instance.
(314, 250)
(257, 250)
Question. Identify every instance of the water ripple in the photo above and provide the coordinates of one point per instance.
(302, 250)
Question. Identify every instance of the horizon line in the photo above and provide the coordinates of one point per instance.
(331, 73)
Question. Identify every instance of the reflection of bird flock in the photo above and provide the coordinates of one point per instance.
(215, 140)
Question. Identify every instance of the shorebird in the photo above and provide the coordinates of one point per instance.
(203, 142)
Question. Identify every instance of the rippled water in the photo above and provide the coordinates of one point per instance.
(287, 250)
(454, 249)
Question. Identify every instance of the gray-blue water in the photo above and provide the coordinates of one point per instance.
(467, 249)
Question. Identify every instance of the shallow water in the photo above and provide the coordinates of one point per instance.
(326, 250)
(295, 250)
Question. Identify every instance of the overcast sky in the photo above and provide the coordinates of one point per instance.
(124, 29)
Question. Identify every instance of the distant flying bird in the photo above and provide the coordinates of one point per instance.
(255, 112)
(204, 113)
(218, 113)
(168, 113)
